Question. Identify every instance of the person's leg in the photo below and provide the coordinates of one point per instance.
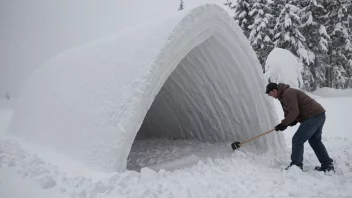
(318, 146)
(304, 132)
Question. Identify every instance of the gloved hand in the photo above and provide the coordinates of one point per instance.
(294, 123)
(235, 145)
(280, 127)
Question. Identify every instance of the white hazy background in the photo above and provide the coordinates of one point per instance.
(33, 31)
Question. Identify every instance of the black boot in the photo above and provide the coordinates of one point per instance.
(301, 167)
(327, 168)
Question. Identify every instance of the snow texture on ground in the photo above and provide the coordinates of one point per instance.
(329, 92)
(223, 174)
(89, 103)
(242, 174)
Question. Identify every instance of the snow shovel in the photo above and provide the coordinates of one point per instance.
(237, 145)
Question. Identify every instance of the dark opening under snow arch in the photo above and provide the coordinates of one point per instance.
(90, 102)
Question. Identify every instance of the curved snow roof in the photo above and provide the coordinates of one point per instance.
(196, 66)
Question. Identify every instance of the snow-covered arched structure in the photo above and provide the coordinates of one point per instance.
(196, 66)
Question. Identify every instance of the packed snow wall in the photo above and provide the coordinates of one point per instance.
(190, 75)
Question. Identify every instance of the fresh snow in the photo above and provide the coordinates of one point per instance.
(330, 92)
(23, 173)
(187, 83)
(282, 66)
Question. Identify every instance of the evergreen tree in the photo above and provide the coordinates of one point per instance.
(340, 45)
(294, 2)
(242, 17)
(231, 3)
(312, 16)
(260, 35)
(319, 32)
(276, 6)
(288, 36)
(348, 52)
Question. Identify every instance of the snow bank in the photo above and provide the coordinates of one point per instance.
(282, 66)
(197, 67)
(331, 92)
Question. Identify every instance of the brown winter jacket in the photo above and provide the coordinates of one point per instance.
(297, 105)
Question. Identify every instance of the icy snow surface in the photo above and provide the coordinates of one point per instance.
(89, 103)
(282, 66)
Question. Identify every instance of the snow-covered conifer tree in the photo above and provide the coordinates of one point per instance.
(241, 15)
(288, 36)
(341, 46)
(260, 34)
(312, 17)
(276, 6)
(231, 3)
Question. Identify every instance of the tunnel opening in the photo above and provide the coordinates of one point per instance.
(194, 110)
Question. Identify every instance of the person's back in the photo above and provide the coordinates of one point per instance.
(307, 106)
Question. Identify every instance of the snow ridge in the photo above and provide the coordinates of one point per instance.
(90, 102)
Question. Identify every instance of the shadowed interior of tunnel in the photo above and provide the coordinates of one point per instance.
(199, 102)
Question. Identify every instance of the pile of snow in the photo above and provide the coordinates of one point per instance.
(331, 92)
(170, 154)
(197, 67)
(282, 66)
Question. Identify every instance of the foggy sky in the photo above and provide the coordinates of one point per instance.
(31, 31)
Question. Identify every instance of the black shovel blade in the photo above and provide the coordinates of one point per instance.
(235, 145)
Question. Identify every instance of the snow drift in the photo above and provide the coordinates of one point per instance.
(192, 75)
(328, 92)
(282, 66)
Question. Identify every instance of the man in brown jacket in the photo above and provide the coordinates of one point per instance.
(299, 107)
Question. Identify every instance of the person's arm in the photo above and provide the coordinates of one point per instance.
(292, 109)
(283, 109)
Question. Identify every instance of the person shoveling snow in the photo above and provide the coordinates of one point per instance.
(299, 107)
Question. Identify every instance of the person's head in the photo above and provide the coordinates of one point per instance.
(272, 90)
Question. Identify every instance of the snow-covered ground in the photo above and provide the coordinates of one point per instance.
(182, 168)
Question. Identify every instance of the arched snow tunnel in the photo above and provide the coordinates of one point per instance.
(192, 75)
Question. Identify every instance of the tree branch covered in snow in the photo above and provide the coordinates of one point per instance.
(242, 16)
(318, 32)
(340, 46)
(261, 34)
(288, 36)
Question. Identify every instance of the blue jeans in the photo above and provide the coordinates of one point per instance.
(311, 130)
